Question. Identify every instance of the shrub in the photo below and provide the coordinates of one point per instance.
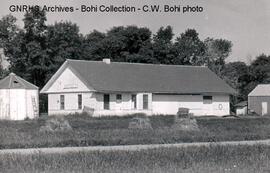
(186, 124)
(140, 123)
(56, 124)
(26, 118)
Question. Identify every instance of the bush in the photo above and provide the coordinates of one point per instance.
(56, 124)
(186, 124)
(140, 123)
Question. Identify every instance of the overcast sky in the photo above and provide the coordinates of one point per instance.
(245, 22)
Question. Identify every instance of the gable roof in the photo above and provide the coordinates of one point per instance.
(241, 104)
(135, 77)
(260, 90)
(12, 81)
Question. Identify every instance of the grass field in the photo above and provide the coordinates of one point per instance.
(221, 159)
(88, 131)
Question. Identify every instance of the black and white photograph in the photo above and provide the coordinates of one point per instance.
(125, 86)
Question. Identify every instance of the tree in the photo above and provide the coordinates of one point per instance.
(189, 49)
(217, 50)
(8, 29)
(236, 74)
(233, 71)
(163, 51)
(8, 38)
(245, 78)
(27, 54)
(259, 73)
(124, 44)
(261, 68)
(63, 41)
(92, 45)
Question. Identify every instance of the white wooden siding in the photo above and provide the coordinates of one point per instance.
(4, 104)
(95, 101)
(29, 104)
(16, 104)
(157, 104)
(241, 110)
(169, 104)
(68, 82)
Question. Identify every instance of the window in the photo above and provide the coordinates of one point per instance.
(62, 102)
(106, 100)
(118, 98)
(207, 99)
(145, 101)
(79, 101)
(134, 101)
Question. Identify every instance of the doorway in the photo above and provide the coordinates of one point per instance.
(264, 108)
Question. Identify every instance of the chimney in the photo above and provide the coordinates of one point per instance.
(107, 60)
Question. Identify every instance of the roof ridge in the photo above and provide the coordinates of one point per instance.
(23, 80)
(9, 83)
(264, 84)
(19, 80)
(130, 63)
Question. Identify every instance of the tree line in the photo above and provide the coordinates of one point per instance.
(38, 49)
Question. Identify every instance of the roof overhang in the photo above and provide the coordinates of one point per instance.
(64, 66)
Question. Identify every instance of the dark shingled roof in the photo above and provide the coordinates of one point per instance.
(13, 81)
(134, 77)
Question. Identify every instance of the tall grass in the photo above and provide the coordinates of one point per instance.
(89, 131)
(238, 159)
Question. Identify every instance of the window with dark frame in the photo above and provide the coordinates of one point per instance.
(207, 99)
(62, 102)
(106, 101)
(134, 101)
(118, 98)
(145, 101)
(79, 101)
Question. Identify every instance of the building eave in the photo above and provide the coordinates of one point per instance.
(58, 73)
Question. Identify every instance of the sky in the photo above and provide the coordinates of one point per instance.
(244, 22)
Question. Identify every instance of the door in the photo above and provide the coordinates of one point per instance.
(133, 101)
(264, 108)
(106, 101)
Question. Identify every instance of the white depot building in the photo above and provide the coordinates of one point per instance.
(115, 88)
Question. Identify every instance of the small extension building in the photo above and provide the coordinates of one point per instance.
(259, 99)
(116, 88)
(18, 98)
(241, 108)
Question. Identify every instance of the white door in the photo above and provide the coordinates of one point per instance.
(264, 108)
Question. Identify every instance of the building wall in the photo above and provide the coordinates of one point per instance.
(255, 103)
(157, 104)
(169, 104)
(4, 104)
(16, 104)
(123, 108)
(68, 82)
(30, 113)
(95, 101)
(241, 110)
(70, 106)
(13, 105)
